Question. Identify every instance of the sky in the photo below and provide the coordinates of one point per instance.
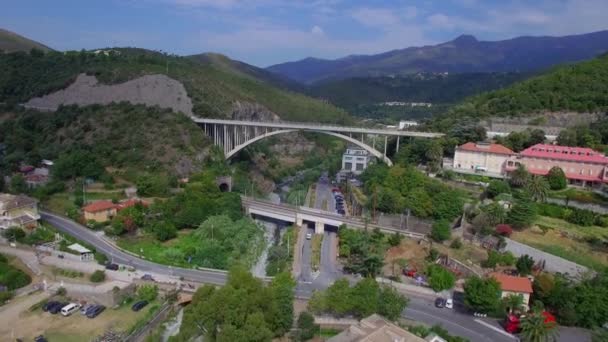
(266, 32)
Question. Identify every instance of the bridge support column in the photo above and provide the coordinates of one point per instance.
(299, 221)
(319, 227)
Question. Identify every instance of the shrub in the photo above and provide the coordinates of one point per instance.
(441, 231)
(557, 179)
(496, 258)
(581, 217)
(147, 292)
(439, 278)
(5, 296)
(497, 187)
(395, 239)
(456, 244)
(61, 291)
(98, 276)
(14, 233)
(504, 230)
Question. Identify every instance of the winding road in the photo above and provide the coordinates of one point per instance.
(419, 308)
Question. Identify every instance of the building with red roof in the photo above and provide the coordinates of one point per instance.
(581, 165)
(130, 203)
(482, 157)
(513, 285)
(99, 211)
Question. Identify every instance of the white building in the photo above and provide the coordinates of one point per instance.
(403, 124)
(18, 211)
(481, 157)
(355, 160)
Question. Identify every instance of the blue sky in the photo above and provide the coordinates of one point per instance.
(265, 32)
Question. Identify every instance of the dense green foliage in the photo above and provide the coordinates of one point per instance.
(98, 276)
(280, 254)
(534, 328)
(497, 187)
(147, 292)
(361, 300)
(577, 216)
(398, 188)
(441, 231)
(524, 265)
(496, 258)
(306, 327)
(242, 310)
(213, 89)
(482, 295)
(523, 212)
(557, 179)
(518, 141)
(439, 278)
(362, 252)
(12, 277)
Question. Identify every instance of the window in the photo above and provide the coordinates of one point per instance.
(348, 166)
(360, 166)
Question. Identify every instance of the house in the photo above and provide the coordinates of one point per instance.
(130, 203)
(581, 165)
(100, 211)
(355, 160)
(85, 253)
(513, 285)
(376, 328)
(404, 124)
(482, 157)
(18, 211)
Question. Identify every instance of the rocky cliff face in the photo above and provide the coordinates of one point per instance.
(242, 110)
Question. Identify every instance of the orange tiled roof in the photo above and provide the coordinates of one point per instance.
(488, 148)
(99, 206)
(512, 283)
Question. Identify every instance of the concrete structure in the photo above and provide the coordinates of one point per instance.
(482, 157)
(512, 285)
(100, 211)
(582, 166)
(18, 211)
(375, 328)
(355, 160)
(404, 124)
(85, 254)
(234, 135)
(320, 218)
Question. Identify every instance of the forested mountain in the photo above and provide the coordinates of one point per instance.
(11, 42)
(214, 91)
(463, 54)
(581, 87)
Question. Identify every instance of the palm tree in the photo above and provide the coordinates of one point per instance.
(520, 176)
(534, 328)
(538, 187)
(514, 302)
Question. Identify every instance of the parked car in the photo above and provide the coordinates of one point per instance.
(56, 308)
(308, 236)
(139, 305)
(112, 267)
(449, 303)
(440, 302)
(95, 311)
(70, 309)
(40, 338)
(85, 308)
(147, 277)
(49, 304)
(341, 212)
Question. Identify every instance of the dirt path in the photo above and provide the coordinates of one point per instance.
(10, 313)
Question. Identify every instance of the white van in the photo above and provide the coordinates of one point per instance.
(69, 309)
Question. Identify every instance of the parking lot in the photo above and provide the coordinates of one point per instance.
(74, 328)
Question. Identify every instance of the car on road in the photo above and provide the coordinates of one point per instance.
(139, 305)
(95, 311)
(112, 267)
(49, 305)
(449, 303)
(147, 277)
(308, 236)
(440, 302)
(70, 309)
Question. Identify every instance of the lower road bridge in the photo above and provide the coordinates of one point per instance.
(298, 215)
(234, 135)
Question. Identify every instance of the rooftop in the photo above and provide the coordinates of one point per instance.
(8, 201)
(513, 283)
(578, 154)
(99, 206)
(485, 147)
(375, 329)
(130, 203)
(79, 248)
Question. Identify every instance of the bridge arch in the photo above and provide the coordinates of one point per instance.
(354, 141)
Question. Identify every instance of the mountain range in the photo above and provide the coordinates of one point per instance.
(463, 54)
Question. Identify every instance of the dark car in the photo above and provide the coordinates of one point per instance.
(147, 277)
(139, 305)
(95, 311)
(40, 338)
(49, 304)
(112, 267)
(57, 307)
(341, 212)
(439, 302)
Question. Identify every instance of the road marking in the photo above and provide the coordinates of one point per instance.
(488, 325)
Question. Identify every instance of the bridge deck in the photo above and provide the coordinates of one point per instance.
(319, 127)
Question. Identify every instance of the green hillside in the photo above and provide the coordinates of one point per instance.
(11, 42)
(213, 89)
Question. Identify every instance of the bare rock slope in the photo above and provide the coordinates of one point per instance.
(150, 90)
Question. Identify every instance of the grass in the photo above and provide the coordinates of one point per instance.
(328, 332)
(553, 243)
(313, 195)
(62, 272)
(151, 249)
(579, 196)
(317, 241)
(559, 224)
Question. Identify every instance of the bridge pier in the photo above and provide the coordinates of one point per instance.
(299, 221)
(319, 227)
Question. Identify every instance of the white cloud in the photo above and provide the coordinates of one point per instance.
(317, 30)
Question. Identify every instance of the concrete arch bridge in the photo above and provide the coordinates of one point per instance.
(234, 135)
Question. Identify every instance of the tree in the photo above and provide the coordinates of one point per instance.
(391, 303)
(497, 187)
(395, 239)
(147, 292)
(519, 177)
(307, 327)
(524, 265)
(535, 329)
(482, 295)
(17, 184)
(557, 178)
(514, 302)
(433, 155)
(14, 234)
(538, 187)
(372, 266)
(439, 278)
(98, 276)
(441, 231)
(523, 212)
(282, 289)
